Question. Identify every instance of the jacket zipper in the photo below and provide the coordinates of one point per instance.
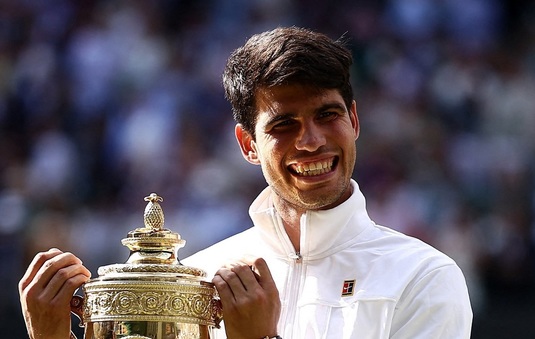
(293, 288)
(292, 294)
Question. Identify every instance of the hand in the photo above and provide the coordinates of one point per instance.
(46, 290)
(250, 299)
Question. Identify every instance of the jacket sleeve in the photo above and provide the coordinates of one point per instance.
(435, 305)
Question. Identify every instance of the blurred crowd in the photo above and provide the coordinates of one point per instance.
(104, 102)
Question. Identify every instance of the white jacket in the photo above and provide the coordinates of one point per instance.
(353, 278)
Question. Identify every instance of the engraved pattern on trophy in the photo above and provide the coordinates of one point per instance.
(148, 301)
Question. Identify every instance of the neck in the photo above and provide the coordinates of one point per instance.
(291, 218)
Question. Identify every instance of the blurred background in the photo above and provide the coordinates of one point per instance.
(104, 102)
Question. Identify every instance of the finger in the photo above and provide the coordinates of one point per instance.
(223, 289)
(258, 266)
(35, 266)
(65, 282)
(49, 269)
(247, 276)
(264, 277)
(232, 279)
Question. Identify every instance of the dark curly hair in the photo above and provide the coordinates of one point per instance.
(288, 55)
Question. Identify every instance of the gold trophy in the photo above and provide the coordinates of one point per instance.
(152, 295)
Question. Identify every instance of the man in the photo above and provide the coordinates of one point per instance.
(314, 265)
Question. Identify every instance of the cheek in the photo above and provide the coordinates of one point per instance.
(273, 159)
(272, 149)
(272, 152)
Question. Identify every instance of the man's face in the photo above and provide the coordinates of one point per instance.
(305, 144)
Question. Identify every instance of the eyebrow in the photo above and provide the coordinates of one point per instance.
(331, 105)
(279, 117)
(325, 107)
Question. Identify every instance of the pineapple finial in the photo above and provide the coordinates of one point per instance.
(153, 215)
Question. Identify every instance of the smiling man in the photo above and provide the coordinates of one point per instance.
(314, 265)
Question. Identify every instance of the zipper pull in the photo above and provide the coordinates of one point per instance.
(295, 256)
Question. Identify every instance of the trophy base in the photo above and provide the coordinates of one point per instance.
(144, 330)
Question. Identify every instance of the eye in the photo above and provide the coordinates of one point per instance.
(283, 124)
(327, 115)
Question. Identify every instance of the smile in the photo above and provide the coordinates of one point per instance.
(313, 168)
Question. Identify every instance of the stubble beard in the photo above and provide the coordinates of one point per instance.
(303, 201)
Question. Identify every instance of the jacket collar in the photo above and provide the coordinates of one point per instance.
(323, 232)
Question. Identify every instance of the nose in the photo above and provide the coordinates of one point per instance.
(310, 138)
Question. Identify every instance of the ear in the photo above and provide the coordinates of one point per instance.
(354, 119)
(247, 145)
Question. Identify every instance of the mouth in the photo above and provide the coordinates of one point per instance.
(313, 168)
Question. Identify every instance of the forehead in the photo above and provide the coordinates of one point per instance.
(292, 99)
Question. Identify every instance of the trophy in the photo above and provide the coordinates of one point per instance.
(152, 295)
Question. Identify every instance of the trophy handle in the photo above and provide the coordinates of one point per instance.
(77, 308)
(217, 311)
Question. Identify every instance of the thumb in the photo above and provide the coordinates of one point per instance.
(263, 274)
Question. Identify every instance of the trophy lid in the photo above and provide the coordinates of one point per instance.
(152, 286)
(153, 248)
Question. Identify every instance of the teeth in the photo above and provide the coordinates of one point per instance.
(314, 168)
